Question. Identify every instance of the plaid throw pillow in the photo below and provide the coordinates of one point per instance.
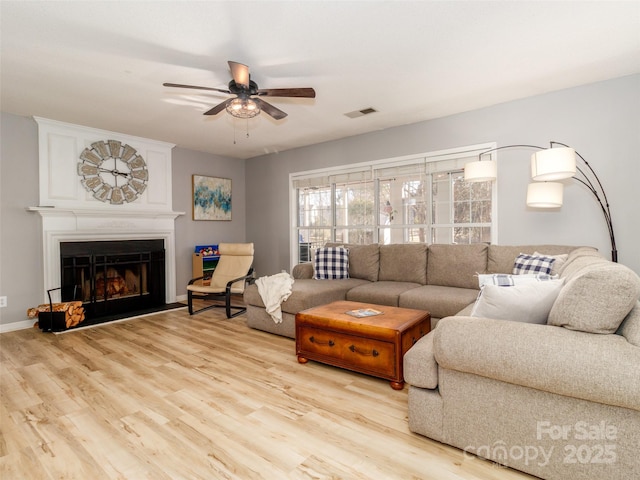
(331, 263)
(532, 264)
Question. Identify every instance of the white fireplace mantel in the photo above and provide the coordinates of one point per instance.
(85, 225)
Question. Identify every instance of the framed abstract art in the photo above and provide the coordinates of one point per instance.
(211, 198)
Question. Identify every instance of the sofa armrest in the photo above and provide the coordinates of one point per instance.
(595, 367)
(420, 368)
(302, 270)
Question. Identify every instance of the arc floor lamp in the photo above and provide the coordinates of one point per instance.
(557, 162)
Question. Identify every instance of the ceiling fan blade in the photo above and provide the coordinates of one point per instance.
(270, 109)
(288, 92)
(196, 87)
(218, 108)
(240, 73)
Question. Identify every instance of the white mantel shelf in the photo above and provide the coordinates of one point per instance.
(97, 212)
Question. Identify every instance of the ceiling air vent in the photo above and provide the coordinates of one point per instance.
(361, 113)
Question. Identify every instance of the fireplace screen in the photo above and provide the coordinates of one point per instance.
(113, 277)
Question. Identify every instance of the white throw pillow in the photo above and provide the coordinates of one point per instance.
(530, 302)
(506, 280)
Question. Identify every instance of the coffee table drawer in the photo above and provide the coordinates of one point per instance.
(348, 351)
(373, 345)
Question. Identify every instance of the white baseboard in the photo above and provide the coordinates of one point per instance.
(23, 325)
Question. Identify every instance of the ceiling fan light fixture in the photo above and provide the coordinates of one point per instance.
(243, 108)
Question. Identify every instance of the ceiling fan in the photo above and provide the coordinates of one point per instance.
(247, 102)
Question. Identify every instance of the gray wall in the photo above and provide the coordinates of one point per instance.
(21, 266)
(601, 121)
(21, 263)
(190, 233)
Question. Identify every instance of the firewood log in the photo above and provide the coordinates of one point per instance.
(75, 318)
(57, 307)
(73, 312)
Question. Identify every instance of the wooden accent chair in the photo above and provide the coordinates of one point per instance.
(231, 275)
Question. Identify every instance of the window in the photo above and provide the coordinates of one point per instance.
(411, 200)
(315, 220)
(461, 211)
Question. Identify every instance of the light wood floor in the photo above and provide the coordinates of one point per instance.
(170, 396)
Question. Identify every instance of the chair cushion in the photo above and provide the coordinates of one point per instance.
(235, 262)
(235, 249)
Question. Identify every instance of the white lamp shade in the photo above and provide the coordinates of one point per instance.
(480, 171)
(553, 164)
(544, 195)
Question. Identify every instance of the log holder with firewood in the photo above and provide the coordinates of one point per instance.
(57, 317)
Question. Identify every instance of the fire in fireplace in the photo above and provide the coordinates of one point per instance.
(113, 277)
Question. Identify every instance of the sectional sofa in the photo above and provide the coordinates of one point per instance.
(558, 400)
(442, 279)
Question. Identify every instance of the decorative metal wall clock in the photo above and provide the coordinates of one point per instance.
(114, 172)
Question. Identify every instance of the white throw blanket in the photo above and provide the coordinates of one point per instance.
(274, 290)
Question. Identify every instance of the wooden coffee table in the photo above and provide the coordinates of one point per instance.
(371, 345)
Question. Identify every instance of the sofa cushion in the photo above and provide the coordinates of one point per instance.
(456, 265)
(598, 368)
(364, 261)
(580, 260)
(302, 270)
(466, 311)
(529, 302)
(307, 293)
(630, 327)
(500, 258)
(597, 299)
(403, 263)
(439, 301)
(420, 367)
(380, 293)
(525, 264)
(331, 263)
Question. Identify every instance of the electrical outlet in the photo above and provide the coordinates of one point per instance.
(3, 302)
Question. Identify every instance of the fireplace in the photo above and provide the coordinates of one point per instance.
(113, 277)
(120, 278)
